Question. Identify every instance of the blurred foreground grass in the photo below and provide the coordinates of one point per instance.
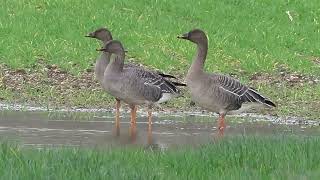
(282, 157)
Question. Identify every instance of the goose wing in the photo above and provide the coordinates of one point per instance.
(154, 79)
(168, 76)
(241, 93)
(156, 88)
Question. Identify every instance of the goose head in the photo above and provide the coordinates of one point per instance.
(195, 36)
(102, 34)
(113, 46)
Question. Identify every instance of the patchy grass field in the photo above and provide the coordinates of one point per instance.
(253, 36)
(247, 38)
(231, 158)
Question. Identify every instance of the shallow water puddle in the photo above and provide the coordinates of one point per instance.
(40, 128)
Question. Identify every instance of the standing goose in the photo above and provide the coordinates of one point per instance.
(216, 92)
(104, 35)
(135, 86)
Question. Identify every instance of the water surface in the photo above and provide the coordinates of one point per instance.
(91, 129)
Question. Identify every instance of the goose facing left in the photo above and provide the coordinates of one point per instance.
(216, 92)
(135, 86)
(104, 35)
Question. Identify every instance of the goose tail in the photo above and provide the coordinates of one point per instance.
(178, 84)
(166, 75)
(254, 96)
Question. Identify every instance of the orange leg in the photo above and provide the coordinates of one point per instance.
(149, 119)
(149, 126)
(117, 128)
(222, 125)
(133, 115)
(133, 126)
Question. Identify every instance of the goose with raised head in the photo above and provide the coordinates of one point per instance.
(135, 86)
(216, 92)
(104, 35)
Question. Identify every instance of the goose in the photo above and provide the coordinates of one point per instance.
(135, 86)
(217, 92)
(104, 35)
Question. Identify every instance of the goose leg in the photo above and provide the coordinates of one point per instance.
(133, 122)
(149, 125)
(117, 117)
(133, 114)
(149, 119)
(221, 125)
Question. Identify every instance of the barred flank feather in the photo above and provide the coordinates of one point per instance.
(242, 93)
(253, 96)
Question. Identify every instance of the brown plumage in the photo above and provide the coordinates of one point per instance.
(104, 35)
(135, 86)
(216, 92)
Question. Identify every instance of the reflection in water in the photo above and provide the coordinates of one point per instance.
(150, 140)
(116, 129)
(133, 132)
(117, 123)
(100, 129)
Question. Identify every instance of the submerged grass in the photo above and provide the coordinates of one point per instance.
(231, 158)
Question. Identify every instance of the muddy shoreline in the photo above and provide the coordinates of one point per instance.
(52, 87)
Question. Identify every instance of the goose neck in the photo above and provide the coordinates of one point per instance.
(101, 64)
(118, 62)
(200, 58)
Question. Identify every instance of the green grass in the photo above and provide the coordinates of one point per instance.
(303, 102)
(253, 35)
(244, 37)
(231, 158)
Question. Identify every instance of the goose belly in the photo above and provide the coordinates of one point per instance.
(204, 97)
(206, 103)
(125, 91)
(112, 90)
